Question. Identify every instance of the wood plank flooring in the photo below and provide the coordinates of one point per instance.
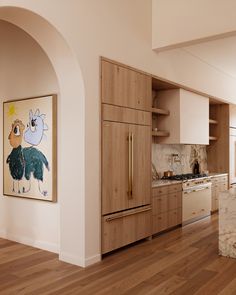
(183, 261)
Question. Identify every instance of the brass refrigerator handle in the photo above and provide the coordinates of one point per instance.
(125, 214)
(132, 164)
(129, 166)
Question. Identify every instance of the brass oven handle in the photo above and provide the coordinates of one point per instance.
(132, 165)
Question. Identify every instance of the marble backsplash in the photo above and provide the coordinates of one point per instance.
(178, 158)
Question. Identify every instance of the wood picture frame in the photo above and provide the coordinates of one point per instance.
(30, 148)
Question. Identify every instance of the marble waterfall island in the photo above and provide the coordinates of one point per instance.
(227, 223)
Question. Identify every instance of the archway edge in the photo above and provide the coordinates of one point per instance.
(71, 176)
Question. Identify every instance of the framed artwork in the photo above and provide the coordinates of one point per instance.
(30, 148)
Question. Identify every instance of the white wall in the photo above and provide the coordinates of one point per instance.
(120, 30)
(26, 71)
(181, 22)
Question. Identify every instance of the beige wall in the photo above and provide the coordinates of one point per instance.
(180, 22)
(25, 71)
(120, 30)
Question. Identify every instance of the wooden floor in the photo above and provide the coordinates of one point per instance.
(184, 261)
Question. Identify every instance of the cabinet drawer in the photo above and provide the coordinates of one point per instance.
(166, 220)
(174, 217)
(123, 228)
(159, 204)
(219, 179)
(174, 201)
(167, 189)
(174, 188)
(157, 191)
(223, 186)
(160, 222)
(223, 179)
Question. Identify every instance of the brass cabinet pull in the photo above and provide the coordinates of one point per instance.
(127, 214)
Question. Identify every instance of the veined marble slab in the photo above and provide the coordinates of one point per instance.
(163, 182)
(227, 223)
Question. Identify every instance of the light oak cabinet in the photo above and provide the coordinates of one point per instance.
(126, 155)
(166, 207)
(126, 181)
(125, 227)
(219, 184)
(188, 120)
(125, 87)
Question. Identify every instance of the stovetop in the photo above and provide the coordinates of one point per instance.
(187, 176)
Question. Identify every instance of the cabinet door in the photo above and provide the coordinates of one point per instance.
(232, 156)
(159, 222)
(174, 201)
(125, 87)
(159, 204)
(174, 217)
(141, 151)
(114, 167)
(117, 151)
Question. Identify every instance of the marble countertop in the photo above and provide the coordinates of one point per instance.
(217, 174)
(227, 223)
(163, 182)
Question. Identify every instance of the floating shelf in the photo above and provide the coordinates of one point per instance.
(160, 111)
(161, 133)
(211, 121)
(212, 138)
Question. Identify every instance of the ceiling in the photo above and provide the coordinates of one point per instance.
(220, 54)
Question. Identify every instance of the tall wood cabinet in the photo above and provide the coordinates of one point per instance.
(126, 155)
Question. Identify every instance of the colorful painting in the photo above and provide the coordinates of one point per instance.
(29, 138)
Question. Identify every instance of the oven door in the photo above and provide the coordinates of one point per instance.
(196, 203)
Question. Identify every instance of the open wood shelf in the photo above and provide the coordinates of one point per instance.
(160, 133)
(211, 121)
(160, 111)
(213, 138)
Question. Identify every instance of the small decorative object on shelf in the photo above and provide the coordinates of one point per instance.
(212, 138)
(211, 121)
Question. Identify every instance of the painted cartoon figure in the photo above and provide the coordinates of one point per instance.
(29, 161)
(35, 128)
(16, 159)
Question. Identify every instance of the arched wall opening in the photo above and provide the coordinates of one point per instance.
(26, 71)
(71, 131)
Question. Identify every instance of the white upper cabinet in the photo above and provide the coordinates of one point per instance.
(188, 122)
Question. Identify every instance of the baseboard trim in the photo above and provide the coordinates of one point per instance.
(78, 260)
(63, 256)
(93, 259)
(30, 242)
